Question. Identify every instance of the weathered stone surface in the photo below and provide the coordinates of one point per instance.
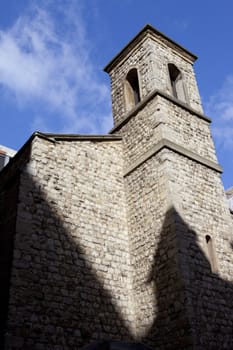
(92, 252)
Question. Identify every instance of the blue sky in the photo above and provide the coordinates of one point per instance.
(52, 54)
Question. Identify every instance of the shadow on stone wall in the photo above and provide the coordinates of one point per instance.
(195, 306)
(59, 303)
(171, 328)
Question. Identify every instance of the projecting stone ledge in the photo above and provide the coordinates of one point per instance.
(176, 148)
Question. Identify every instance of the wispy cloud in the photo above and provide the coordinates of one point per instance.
(220, 107)
(45, 58)
(181, 24)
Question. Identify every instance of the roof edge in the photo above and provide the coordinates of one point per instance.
(26, 147)
(146, 29)
(229, 192)
(77, 137)
(69, 137)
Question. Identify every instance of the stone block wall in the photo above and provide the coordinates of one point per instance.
(167, 190)
(206, 271)
(161, 318)
(71, 273)
(151, 59)
(140, 132)
(118, 76)
(101, 256)
(183, 299)
(160, 118)
(122, 238)
(200, 198)
(164, 53)
(9, 190)
(179, 224)
(186, 128)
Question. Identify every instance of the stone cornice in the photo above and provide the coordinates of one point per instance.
(76, 137)
(164, 143)
(149, 97)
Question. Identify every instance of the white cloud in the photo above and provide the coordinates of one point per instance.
(220, 108)
(181, 24)
(45, 57)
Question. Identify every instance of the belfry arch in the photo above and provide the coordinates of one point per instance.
(177, 84)
(131, 89)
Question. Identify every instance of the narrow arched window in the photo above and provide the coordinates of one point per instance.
(176, 81)
(132, 93)
(211, 253)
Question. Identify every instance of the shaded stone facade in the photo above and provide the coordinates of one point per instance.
(121, 237)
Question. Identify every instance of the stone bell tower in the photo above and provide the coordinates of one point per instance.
(121, 241)
(179, 224)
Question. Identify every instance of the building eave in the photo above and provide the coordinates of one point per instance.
(148, 29)
(22, 155)
(77, 137)
(229, 192)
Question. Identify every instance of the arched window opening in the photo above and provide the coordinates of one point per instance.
(132, 93)
(211, 253)
(176, 82)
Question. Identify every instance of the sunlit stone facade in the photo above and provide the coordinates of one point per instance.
(125, 237)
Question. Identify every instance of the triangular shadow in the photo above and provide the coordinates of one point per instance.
(194, 305)
(58, 302)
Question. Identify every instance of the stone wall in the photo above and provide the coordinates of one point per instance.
(176, 206)
(200, 201)
(71, 273)
(186, 128)
(124, 238)
(229, 195)
(161, 318)
(200, 198)
(183, 299)
(9, 188)
(160, 118)
(151, 59)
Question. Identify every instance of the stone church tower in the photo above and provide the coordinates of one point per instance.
(179, 226)
(122, 240)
